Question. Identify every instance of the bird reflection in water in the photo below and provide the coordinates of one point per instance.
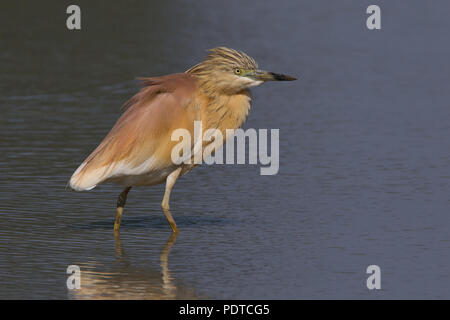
(123, 281)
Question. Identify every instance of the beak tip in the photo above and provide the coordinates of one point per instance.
(282, 77)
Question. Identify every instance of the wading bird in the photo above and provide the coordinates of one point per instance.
(137, 150)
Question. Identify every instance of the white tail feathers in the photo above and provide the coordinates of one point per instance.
(88, 178)
(83, 181)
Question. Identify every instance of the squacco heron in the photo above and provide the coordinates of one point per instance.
(137, 150)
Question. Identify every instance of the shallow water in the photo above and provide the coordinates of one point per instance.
(364, 153)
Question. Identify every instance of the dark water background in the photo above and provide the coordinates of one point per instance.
(364, 153)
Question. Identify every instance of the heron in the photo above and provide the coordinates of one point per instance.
(137, 150)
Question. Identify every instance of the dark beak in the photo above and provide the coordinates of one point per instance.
(270, 76)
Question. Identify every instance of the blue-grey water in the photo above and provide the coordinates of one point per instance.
(364, 153)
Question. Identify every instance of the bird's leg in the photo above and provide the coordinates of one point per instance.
(170, 181)
(120, 204)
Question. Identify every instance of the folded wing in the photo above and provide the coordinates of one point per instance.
(140, 141)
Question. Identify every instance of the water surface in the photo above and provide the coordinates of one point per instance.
(364, 153)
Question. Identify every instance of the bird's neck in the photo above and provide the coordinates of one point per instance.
(225, 111)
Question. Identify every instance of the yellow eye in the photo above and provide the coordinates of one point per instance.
(237, 71)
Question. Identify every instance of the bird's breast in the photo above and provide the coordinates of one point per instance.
(227, 112)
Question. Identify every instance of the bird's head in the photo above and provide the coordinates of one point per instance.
(231, 71)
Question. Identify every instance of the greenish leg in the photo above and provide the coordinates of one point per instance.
(170, 182)
(120, 204)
